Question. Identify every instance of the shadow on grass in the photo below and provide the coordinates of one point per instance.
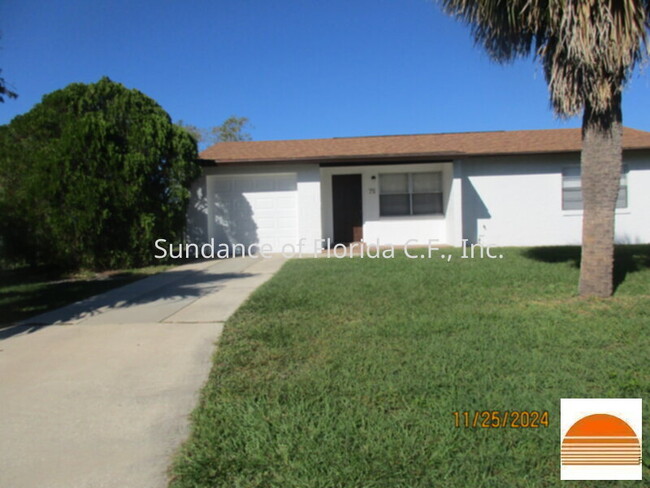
(30, 292)
(38, 291)
(628, 258)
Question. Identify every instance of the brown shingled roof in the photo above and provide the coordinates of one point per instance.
(462, 144)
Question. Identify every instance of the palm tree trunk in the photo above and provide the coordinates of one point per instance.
(601, 160)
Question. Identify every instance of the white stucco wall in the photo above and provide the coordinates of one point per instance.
(396, 230)
(504, 201)
(517, 201)
(307, 192)
(454, 211)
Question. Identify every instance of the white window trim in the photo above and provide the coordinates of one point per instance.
(411, 215)
(578, 213)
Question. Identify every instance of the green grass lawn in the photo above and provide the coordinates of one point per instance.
(345, 372)
(25, 291)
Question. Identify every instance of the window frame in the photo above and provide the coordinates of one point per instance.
(411, 192)
(623, 186)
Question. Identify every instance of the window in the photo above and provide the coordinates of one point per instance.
(410, 194)
(572, 189)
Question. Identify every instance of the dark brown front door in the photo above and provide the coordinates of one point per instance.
(348, 214)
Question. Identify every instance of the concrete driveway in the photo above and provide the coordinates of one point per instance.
(100, 395)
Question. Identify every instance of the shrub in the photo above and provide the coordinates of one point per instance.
(91, 176)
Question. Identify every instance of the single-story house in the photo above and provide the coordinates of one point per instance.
(507, 188)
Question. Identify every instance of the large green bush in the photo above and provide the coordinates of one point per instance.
(91, 176)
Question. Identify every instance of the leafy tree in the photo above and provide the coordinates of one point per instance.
(588, 50)
(232, 129)
(91, 176)
(4, 91)
(196, 132)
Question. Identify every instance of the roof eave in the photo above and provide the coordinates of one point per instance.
(366, 158)
(373, 157)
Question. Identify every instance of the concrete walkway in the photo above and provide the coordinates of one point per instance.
(100, 397)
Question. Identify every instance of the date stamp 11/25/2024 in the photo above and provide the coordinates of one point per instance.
(501, 419)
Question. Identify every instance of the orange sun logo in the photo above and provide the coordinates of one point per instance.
(601, 440)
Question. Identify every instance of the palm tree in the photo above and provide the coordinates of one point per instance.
(588, 49)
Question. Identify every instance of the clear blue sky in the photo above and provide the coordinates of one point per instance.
(296, 68)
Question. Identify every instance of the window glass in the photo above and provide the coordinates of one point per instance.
(410, 194)
(427, 182)
(391, 205)
(427, 203)
(393, 183)
(572, 199)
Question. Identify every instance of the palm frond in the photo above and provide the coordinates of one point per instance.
(588, 48)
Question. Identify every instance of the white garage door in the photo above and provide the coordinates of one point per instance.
(255, 209)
